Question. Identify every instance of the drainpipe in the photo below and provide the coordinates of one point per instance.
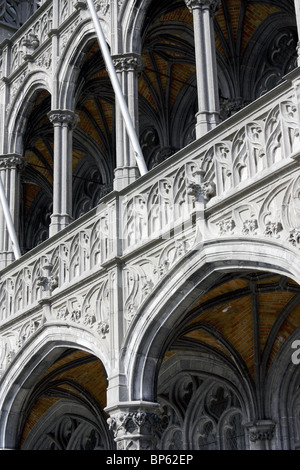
(118, 91)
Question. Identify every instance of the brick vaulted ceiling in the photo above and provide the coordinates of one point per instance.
(78, 378)
(245, 318)
(243, 321)
(256, 46)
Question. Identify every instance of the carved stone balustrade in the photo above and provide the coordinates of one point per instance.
(240, 182)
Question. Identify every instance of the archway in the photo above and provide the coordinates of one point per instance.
(65, 409)
(223, 322)
(54, 393)
(226, 350)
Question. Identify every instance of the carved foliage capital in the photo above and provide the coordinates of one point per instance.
(63, 117)
(128, 63)
(133, 429)
(202, 4)
(11, 161)
(262, 431)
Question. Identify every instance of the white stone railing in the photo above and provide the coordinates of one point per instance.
(249, 160)
(32, 41)
(241, 152)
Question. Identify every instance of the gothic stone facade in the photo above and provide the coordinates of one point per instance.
(159, 311)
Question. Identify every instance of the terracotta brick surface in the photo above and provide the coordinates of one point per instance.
(234, 318)
(91, 376)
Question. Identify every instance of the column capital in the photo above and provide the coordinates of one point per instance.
(134, 426)
(260, 431)
(12, 161)
(129, 62)
(63, 117)
(202, 4)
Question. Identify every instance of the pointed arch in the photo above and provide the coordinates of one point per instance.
(36, 356)
(160, 318)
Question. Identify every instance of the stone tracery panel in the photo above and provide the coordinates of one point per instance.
(200, 414)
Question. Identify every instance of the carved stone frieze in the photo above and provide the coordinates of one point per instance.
(250, 227)
(272, 229)
(294, 238)
(43, 61)
(103, 329)
(226, 227)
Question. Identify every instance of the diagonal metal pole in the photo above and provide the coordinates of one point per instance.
(117, 89)
(9, 222)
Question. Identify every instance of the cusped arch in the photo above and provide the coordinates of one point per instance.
(155, 325)
(30, 363)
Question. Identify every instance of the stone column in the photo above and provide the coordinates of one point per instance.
(206, 65)
(64, 121)
(127, 67)
(134, 426)
(261, 434)
(10, 166)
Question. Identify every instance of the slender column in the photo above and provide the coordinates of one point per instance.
(127, 67)
(134, 426)
(64, 121)
(206, 66)
(10, 166)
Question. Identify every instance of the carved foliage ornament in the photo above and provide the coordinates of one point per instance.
(134, 430)
(64, 117)
(11, 161)
(202, 4)
(128, 63)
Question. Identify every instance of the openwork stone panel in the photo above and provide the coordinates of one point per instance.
(200, 414)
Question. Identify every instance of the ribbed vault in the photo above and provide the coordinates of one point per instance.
(65, 409)
(244, 317)
(214, 377)
(256, 47)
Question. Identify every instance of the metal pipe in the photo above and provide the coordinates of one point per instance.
(9, 222)
(118, 91)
